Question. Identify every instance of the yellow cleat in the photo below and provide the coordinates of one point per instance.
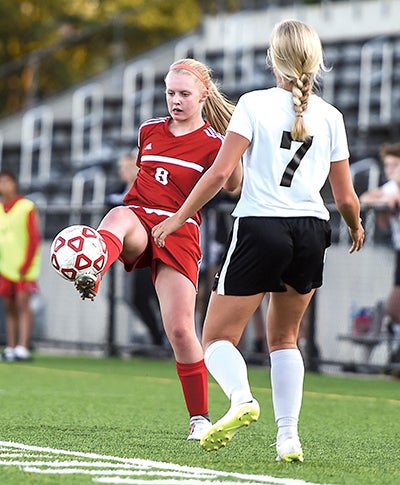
(222, 432)
(289, 450)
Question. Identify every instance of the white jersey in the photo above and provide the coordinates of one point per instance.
(283, 178)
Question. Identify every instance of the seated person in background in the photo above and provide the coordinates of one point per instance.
(387, 199)
(127, 171)
(141, 294)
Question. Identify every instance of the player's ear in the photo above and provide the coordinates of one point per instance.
(205, 95)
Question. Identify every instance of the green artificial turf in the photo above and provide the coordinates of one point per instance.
(134, 409)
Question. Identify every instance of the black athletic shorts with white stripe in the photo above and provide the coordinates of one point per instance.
(264, 254)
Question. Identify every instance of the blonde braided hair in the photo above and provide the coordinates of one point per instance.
(301, 92)
(296, 56)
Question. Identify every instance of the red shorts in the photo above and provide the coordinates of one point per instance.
(11, 288)
(181, 251)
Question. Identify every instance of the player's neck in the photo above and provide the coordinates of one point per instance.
(283, 83)
(183, 127)
(285, 86)
(8, 198)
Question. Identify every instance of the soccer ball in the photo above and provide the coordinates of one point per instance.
(78, 250)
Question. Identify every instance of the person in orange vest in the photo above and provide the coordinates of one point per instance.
(19, 266)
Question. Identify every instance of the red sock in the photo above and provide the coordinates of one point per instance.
(114, 247)
(194, 380)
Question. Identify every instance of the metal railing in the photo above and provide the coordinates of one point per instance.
(36, 145)
(138, 92)
(88, 189)
(376, 76)
(87, 124)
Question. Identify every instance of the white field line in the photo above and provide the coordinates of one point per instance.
(128, 471)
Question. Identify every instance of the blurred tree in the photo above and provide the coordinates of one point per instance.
(47, 46)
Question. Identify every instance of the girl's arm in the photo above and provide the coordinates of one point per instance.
(347, 201)
(234, 183)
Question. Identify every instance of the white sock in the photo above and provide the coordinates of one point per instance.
(226, 364)
(287, 377)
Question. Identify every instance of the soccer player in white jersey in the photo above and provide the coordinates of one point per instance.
(291, 141)
(174, 152)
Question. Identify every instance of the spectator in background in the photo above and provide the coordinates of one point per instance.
(140, 291)
(127, 171)
(19, 266)
(386, 199)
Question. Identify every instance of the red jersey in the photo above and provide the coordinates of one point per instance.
(169, 165)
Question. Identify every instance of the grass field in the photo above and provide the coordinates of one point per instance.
(69, 420)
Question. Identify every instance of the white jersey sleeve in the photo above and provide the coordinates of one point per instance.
(390, 187)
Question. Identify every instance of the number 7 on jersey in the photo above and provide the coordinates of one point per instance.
(294, 163)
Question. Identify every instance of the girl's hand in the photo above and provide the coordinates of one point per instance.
(161, 231)
(357, 235)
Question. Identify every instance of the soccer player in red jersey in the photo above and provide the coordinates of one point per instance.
(174, 153)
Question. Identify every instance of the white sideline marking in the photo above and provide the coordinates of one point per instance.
(126, 471)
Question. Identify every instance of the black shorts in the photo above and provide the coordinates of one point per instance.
(264, 254)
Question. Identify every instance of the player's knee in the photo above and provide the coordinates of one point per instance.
(180, 334)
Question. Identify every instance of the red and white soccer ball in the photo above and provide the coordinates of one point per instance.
(78, 250)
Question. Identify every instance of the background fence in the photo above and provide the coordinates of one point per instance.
(110, 324)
